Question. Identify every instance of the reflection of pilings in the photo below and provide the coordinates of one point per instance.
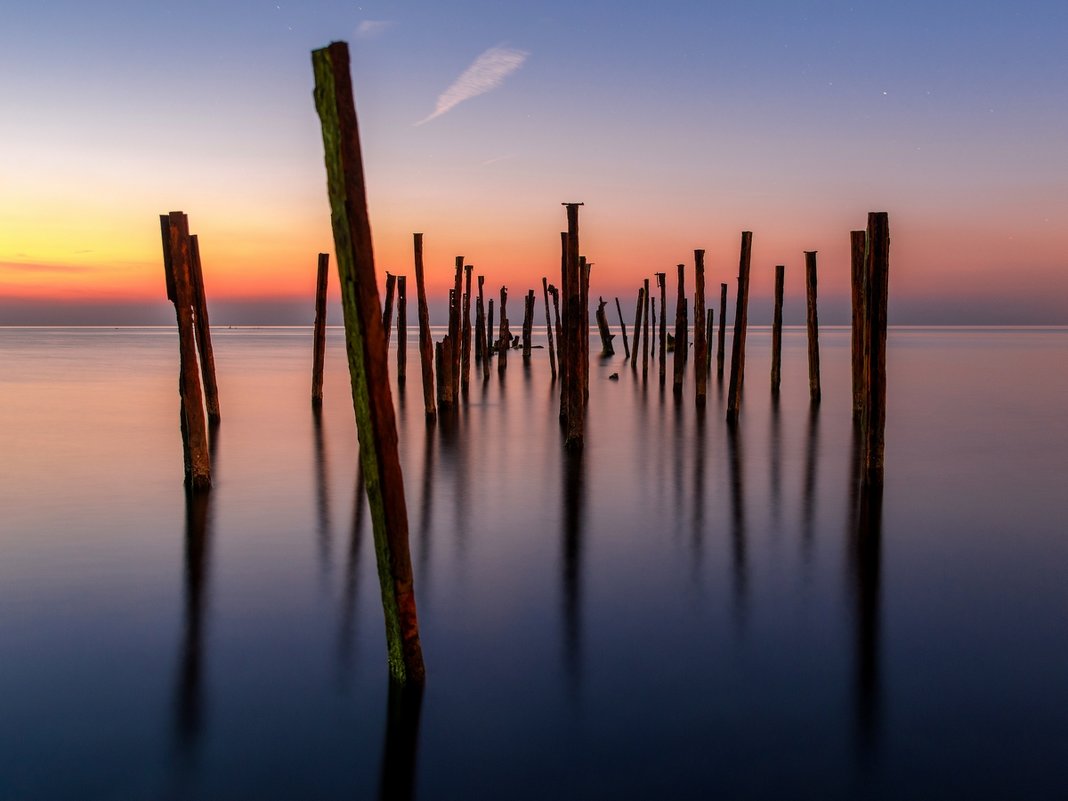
(426, 507)
(322, 497)
(346, 635)
(698, 490)
(404, 709)
(776, 461)
(809, 499)
(571, 561)
(865, 558)
(188, 719)
(738, 533)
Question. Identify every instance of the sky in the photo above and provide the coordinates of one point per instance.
(678, 124)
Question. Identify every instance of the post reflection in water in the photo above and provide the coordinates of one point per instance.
(454, 463)
(699, 493)
(808, 502)
(738, 532)
(188, 717)
(427, 503)
(322, 499)
(571, 561)
(346, 630)
(403, 713)
(776, 462)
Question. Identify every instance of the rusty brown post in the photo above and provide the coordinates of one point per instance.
(721, 335)
(682, 338)
(574, 318)
(174, 228)
(402, 330)
(661, 282)
(741, 319)
(700, 370)
(638, 328)
(813, 328)
(549, 326)
(857, 242)
(366, 345)
(776, 330)
(203, 329)
(465, 335)
(623, 328)
(876, 286)
(426, 342)
(319, 330)
(387, 312)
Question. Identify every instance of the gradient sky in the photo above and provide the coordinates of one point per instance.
(679, 124)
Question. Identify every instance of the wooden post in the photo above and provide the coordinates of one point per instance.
(491, 345)
(741, 318)
(549, 326)
(682, 338)
(603, 330)
(813, 328)
(721, 336)
(776, 330)
(645, 325)
(661, 282)
(203, 329)
(562, 341)
(447, 390)
(857, 242)
(555, 292)
(700, 369)
(652, 331)
(455, 326)
(426, 342)
(504, 340)
(584, 272)
(708, 339)
(575, 316)
(623, 328)
(387, 312)
(175, 233)
(528, 325)
(638, 327)
(402, 330)
(481, 339)
(465, 335)
(366, 345)
(876, 286)
(319, 330)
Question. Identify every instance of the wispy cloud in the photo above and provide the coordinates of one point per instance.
(18, 267)
(370, 28)
(496, 159)
(486, 72)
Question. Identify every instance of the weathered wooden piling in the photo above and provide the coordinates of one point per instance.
(575, 317)
(646, 326)
(652, 331)
(638, 327)
(549, 327)
(623, 328)
(741, 319)
(456, 326)
(319, 329)
(174, 228)
(661, 282)
(402, 330)
(491, 342)
(562, 341)
(682, 337)
(721, 334)
(481, 338)
(603, 330)
(857, 243)
(584, 271)
(813, 328)
(776, 330)
(528, 325)
(465, 335)
(446, 378)
(366, 346)
(203, 329)
(504, 338)
(387, 312)
(426, 342)
(555, 292)
(876, 286)
(700, 363)
(709, 320)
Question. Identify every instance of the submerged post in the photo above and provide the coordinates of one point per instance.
(682, 338)
(661, 282)
(638, 327)
(722, 336)
(426, 342)
(741, 318)
(813, 328)
(455, 328)
(387, 312)
(402, 330)
(623, 328)
(574, 318)
(876, 287)
(504, 340)
(366, 346)
(709, 320)
(700, 369)
(776, 330)
(200, 316)
(528, 325)
(857, 243)
(491, 343)
(549, 326)
(174, 228)
(481, 339)
(465, 335)
(603, 330)
(646, 326)
(319, 331)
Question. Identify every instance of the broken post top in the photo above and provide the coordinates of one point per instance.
(572, 204)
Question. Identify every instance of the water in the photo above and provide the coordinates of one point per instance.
(677, 613)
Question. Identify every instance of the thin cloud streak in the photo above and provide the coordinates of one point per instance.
(486, 73)
(370, 28)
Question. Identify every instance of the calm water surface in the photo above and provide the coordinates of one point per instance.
(676, 613)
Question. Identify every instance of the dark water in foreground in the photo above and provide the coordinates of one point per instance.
(677, 613)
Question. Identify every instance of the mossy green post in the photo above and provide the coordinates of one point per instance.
(368, 369)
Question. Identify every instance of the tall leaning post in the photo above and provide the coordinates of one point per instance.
(638, 328)
(174, 228)
(857, 243)
(741, 319)
(876, 292)
(203, 328)
(402, 330)
(814, 390)
(776, 330)
(319, 331)
(549, 327)
(575, 316)
(387, 310)
(700, 344)
(367, 353)
(623, 328)
(426, 342)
